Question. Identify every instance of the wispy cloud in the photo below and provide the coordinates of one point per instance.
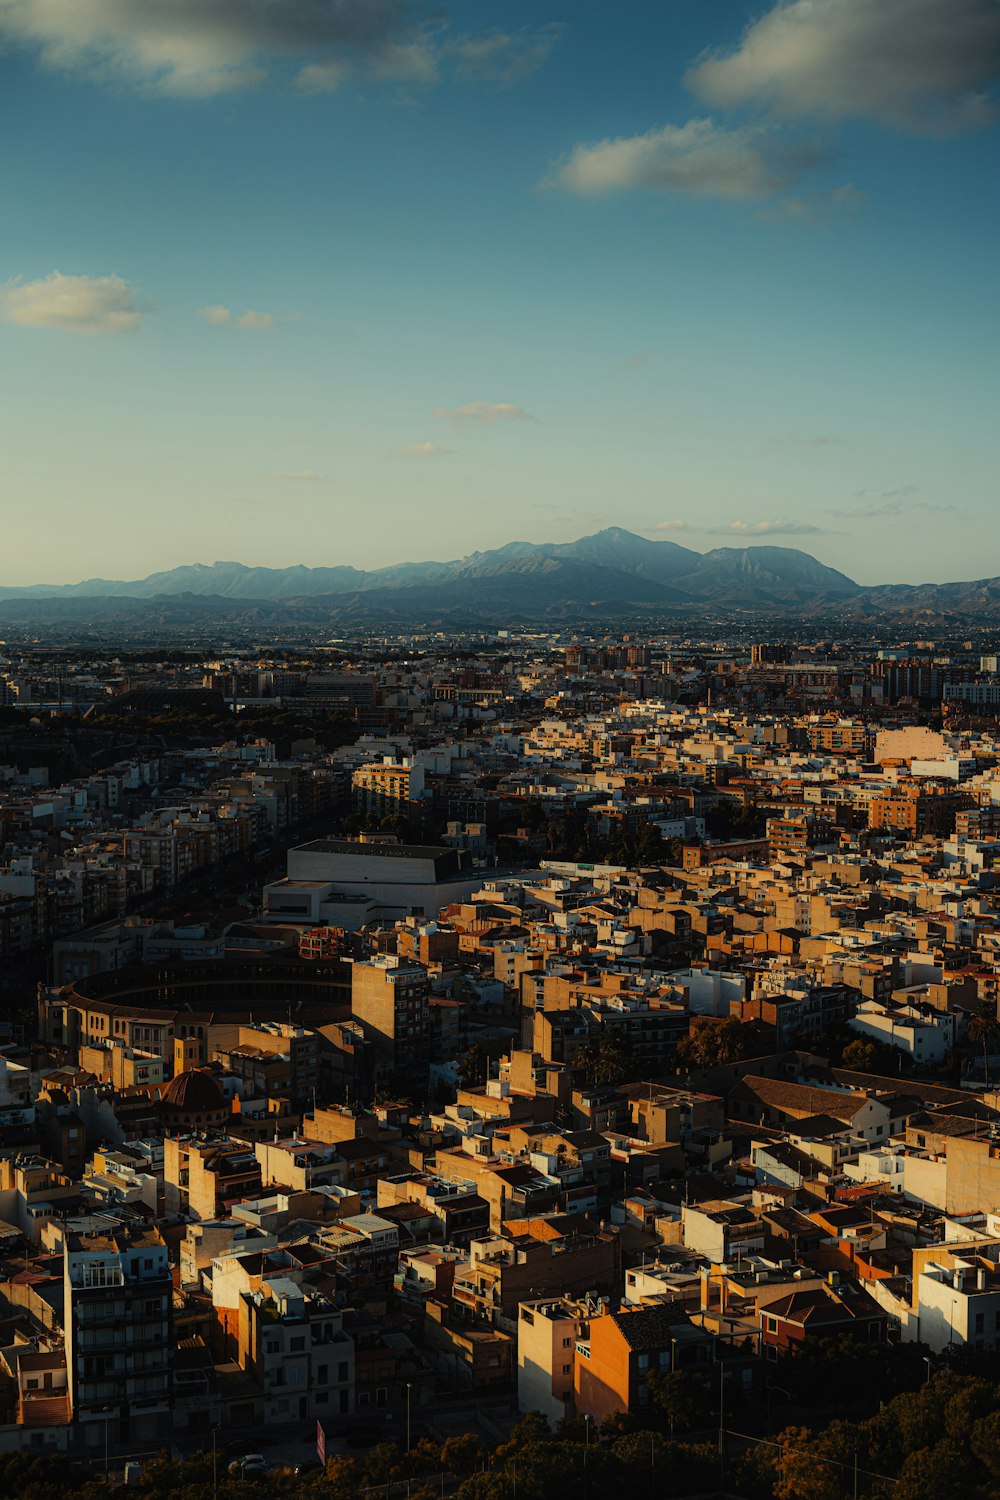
(924, 65)
(255, 322)
(888, 505)
(250, 321)
(421, 450)
(482, 413)
(201, 48)
(75, 304)
(636, 361)
(188, 47)
(815, 207)
(503, 57)
(744, 528)
(301, 476)
(700, 157)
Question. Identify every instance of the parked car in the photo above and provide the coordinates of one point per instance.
(249, 1465)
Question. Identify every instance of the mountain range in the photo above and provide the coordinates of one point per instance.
(613, 573)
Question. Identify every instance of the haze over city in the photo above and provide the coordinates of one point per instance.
(360, 284)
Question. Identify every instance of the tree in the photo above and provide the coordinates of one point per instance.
(712, 1042)
(944, 1472)
(649, 846)
(982, 1031)
(612, 1059)
(680, 1398)
(802, 1472)
(473, 1067)
(986, 1443)
(461, 1454)
(862, 1055)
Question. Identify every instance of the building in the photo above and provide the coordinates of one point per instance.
(118, 1298)
(402, 879)
(389, 997)
(205, 1178)
(295, 1344)
(834, 1310)
(547, 1331)
(616, 1352)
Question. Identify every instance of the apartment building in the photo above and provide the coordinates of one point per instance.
(294, 1343)
(389, 997)
(118, 1298)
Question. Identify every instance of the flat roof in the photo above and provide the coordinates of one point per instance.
(373, 851)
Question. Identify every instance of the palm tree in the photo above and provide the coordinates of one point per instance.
(983, 1029)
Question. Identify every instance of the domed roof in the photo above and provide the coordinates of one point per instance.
(195, 1092)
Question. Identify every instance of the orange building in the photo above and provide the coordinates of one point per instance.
(618, 1351)
(913, 810)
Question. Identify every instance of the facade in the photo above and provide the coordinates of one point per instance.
(547, 1332)
(117, 1311)
(389, 997)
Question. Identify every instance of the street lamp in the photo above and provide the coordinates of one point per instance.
(408, 1389)
(106, 1412)
(586, 1450)
(215, 1468)
(927, 1362)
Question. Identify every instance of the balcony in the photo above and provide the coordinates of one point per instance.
(43, 1410)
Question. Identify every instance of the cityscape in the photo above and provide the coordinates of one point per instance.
(499, 750)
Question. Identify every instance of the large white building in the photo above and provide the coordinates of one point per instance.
(401, 879)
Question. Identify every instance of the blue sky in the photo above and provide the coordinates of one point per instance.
(353, 281)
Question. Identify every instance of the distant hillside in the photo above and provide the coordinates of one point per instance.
(612, 574)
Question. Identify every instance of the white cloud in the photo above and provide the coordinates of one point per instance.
(482, 413)
(252, 321)
(201, 48)
(76, 304)
(302, 476)
(766, 528)
(670, 526)
(422, 450)
(255, 321)
(925, 65)
(700, 157)
(204, 47)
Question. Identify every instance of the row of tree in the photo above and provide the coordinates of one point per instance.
(937, 1440)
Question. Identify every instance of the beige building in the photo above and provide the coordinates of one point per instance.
(389, 998)
(547, 1331)
(205, 1178)
(122, 1066)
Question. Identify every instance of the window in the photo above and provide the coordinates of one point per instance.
(342, 1370)
(297, 1345)
(980, 1321)
(323, 1374)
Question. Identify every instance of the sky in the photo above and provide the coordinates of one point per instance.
(360, 281)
